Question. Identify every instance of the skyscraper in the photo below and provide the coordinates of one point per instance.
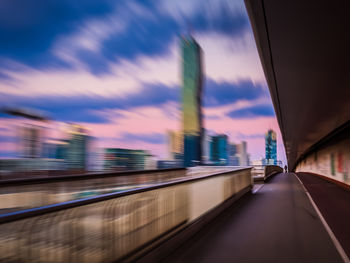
(242, 153)
(271, 147)
(206, 146)
(125, 159)
(77, 148)
(30, 141)
(233, 157)
(175, 145)
(192, 77)
(219, 149)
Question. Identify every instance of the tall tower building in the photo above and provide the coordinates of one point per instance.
(271, 147)
(175, 145)
(192, 77)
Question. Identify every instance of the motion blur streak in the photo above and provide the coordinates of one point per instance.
(110, 227)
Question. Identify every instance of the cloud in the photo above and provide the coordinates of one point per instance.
(127, 78)
(8, 143)
(148, 121)
(141, 37)
(59, 34)
(233, 99)
(222, 93)
(223, 111)
(115, 67)
(243, 99)
(87, 108)
(29, 28)
(95, 63)
(7, 153)
(252, 112)
(250, 136)
(228, 59)
(153, 33)
(221, 19)
(153, 138)
(226, 16)
(93, 72)
(78, 115)
(137, 128)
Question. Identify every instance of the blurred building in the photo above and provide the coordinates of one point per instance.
(97, 159)
(30, 141)
(125, 159)
(150, 162)
(219, 149)
(30, 167)
(192, 76)
(258, 162)
(55, 149)
(175, 145)
(165, 164)
(271, 147)
(242, 154)
(206, 147)
(233, 158)
(77, 148)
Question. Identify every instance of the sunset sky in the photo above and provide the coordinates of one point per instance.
(114, 67)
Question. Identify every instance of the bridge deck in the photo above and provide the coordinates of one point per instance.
(276, 224)
(333, 202)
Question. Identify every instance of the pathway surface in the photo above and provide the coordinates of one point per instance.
(333, 201)
(276, 224)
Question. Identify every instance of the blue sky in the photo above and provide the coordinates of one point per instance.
(115, 67)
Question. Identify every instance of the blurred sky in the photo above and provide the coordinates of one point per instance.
(114, 67)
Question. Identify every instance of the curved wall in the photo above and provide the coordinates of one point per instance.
(331, 160)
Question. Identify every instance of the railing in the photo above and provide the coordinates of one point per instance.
(19, 194)
(158, 174)
(261, 172)
(258, 172)
(271, 170)
(110, 227)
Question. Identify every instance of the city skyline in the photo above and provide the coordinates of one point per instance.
(129, 96)
(174, 131)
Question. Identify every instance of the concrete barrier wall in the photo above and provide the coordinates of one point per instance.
(29, 193)
(207, 194)
(111, 227)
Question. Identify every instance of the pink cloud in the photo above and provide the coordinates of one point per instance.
(150, 120)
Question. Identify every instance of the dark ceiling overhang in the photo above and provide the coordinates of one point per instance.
(304, 47)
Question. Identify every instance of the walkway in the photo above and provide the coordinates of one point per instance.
(333, 202)
(276, 224)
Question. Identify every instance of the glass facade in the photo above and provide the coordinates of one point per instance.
(77, 148)
(175, 145)
(125, 159)
(192, 93)
(271, 147)
(233, 157)
(219, 149)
